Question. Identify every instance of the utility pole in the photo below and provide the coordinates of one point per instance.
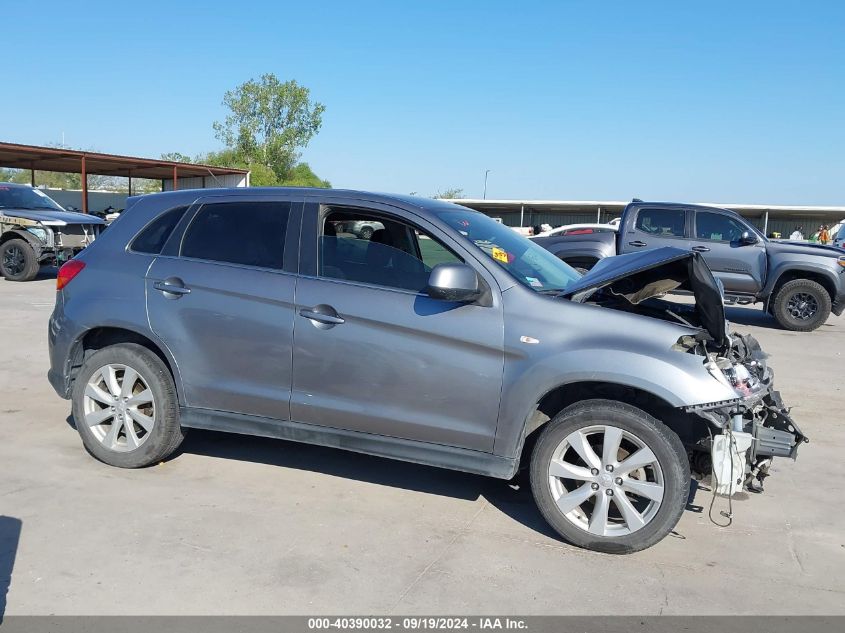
(486, 171)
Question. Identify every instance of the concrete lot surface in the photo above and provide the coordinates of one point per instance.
(238, 525)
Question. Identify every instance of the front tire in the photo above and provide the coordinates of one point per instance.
(609, 477)
(125, 407)
(18, 261)
(801, 305)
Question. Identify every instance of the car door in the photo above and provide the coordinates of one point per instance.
(654, 227)
(740, 266)
(221, 298)
(372, 351)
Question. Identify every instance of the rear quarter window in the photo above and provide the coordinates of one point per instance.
(152, 238)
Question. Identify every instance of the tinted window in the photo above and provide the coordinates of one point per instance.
(151, 239)
(716, 226)
(665, 222)
(371, 249)
(248, 233)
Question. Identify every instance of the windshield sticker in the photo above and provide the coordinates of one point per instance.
(533, 281)
(499, 255)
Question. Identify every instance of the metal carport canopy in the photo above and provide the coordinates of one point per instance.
(34, 157)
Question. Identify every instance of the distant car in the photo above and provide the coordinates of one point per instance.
(363, 229)
(579, 229)
(35, 230)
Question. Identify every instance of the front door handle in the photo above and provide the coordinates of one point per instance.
(172, 287)
(637, 243)
(700, 249)
(320, 317)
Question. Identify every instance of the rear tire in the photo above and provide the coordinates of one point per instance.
(801, 305)
(125, 407)
(606, 502)
(18, 261)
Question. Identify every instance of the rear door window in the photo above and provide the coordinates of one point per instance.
(245, 233)
(661, 222)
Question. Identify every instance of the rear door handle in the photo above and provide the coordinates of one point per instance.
(637, 243)
(700, 249)
(172, 287)
(319, 317)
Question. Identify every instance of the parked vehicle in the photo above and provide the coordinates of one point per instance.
(446, 339)
(579, 229)
(799, 284)
(35, 231)
(839, 235)
(363, 228)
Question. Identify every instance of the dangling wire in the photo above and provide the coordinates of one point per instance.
(714, 484)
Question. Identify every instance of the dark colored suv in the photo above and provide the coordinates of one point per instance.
(444, 339)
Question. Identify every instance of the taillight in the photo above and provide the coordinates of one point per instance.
(68, 271)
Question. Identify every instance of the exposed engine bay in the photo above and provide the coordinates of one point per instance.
(744, 433)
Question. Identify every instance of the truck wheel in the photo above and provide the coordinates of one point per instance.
(801, 305)
(609, 477)
(125, 407)
(18, 261)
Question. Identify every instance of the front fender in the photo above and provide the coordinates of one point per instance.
(833, 273)
(37, 245)
(680, 383)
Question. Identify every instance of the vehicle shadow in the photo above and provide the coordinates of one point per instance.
(47, 272)
(751, 316)
(10, 535)
(513, 498)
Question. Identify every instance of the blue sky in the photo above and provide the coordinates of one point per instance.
(701, 101)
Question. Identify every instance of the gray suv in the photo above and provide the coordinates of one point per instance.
(446, 339)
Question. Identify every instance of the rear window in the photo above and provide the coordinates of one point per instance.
(246, 233)
(665, 222)
(151, 240)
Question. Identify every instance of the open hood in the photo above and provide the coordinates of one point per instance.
(639, 277)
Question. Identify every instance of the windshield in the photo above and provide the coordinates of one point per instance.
(25, 198)
(532, 265)
(841, 234)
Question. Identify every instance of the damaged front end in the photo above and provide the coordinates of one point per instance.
(746, 432)
(752, 430)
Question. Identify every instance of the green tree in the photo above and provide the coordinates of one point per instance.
(269, 122)
(302, 176)
(450, 194)
(176, 157)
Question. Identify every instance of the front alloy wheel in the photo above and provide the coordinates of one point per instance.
(609, 477)
(615, 493)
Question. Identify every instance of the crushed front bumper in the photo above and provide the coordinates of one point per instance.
(758, 416)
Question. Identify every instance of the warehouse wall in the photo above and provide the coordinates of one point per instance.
(203, 182)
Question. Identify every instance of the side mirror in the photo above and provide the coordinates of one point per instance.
(453, 282)
(747, 238)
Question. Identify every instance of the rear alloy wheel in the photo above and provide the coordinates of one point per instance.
(125, 407)
(609, 477)
(801, 305)
(18, 261)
